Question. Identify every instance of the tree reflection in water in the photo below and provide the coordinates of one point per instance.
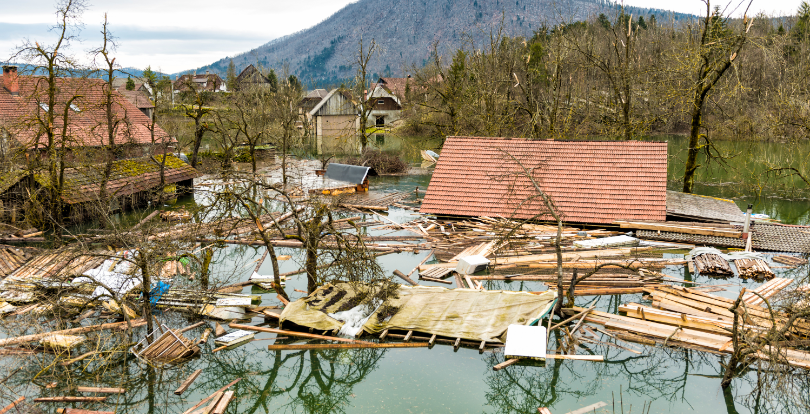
(316, 381)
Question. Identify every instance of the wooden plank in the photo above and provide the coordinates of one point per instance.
(597, 358)
(432, 340)
(505, 364)
(81, 411)
(588, 409)
(102, 390)
(347, 346)
(12, 405)
(30, 338)
(405, 277)
(70, 399)
(706, 231)
(222, 405)
(187, 383)
(219, 391)
(569, 256)
(671, 318)
(294, 333)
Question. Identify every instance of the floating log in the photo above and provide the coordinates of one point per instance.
(81, 411)
(222, 405)
(12, 405)
(74, 331)
(187, 383)
(70, 399)
(753, 268)
(102, 390)
(405, 278)
(348, 346)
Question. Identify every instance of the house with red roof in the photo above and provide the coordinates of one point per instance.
(80, 118)
(589, 182)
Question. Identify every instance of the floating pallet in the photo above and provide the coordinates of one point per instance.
(437, 272)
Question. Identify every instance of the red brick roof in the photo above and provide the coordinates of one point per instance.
(86, 124)
(138, 97)
(588, 181)
(397, 86)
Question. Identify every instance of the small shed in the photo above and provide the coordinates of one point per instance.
(336, 123)
(592, 182)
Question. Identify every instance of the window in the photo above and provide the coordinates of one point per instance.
(381, 101)
(380, 138)
(380, 121)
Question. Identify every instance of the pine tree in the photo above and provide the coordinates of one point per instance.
(130, 84)
(230, 77)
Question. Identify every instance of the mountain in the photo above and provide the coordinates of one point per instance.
(406, 31)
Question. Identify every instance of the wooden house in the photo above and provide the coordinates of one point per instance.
(251, 77)
(336, 122)
(132, 183)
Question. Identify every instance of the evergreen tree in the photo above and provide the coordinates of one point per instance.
(801, 30)
(603, 20)
(273, 79)
(295, 83)
(230, 77)
(130, 84)
(641, 23)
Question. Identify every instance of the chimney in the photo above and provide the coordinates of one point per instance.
(10, 80)
(207, 72)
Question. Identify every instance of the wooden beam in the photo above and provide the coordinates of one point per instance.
(294, 333)
(404, 277)
(505, 364)
(70, 399)
(12, 405)
(102, 390)
(219, 391)
(347, 346)
(184, 386)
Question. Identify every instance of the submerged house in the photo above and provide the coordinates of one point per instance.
(335, 121)
(589, 182)
(131, 184)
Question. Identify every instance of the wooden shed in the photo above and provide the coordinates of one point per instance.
(336, 123)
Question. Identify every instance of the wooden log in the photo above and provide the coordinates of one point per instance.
(405, 277)
(12, 405)
(190, 327)
(145, 220)
(347, 346)
(294, 333)
(429, 255)
(219, 391)
(187, 383)
(505, 364)
(81, 411)
(102, 390)
(597, 358)
(408, 336)
(36, 337)
(70, 399)
(430, 279)
(208, 409)
(222, 405)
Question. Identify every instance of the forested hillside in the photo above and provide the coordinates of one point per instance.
(407, 30)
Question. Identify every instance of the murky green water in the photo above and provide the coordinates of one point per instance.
(438, 380)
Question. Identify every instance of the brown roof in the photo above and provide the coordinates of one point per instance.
(395, 85)
(138, 97)
(588, 181)
(703, 208)
(205, 82)
(86, 124)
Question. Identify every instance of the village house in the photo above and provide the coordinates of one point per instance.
(335, 121)
(252, 77)
(209, 82)
(140, 97)
(138, 152)
(386, 97)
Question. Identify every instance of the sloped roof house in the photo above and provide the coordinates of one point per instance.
(594, 182)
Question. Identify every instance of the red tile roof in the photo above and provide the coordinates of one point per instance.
(397, 86)
(86, 127)
(138, 97)
(588, 181)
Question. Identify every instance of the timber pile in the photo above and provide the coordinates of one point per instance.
(790, 260)
(767, 290)
(362, 201)
(705, 229)
(179, 215)
(11, 258)
(753, 269)
(712, 264)
(167, 346)
(696, 329)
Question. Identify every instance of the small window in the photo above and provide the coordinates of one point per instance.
(75, 108)
(380, 102)
(44, 106)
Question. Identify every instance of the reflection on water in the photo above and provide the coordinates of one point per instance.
(414, 380)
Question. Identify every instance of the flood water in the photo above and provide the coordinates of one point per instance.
(421, 380)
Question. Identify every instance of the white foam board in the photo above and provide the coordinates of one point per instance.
(525, 342)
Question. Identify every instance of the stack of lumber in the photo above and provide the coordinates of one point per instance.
(597, 284)
(753, 269)
(697, 303)
(790, 260)
(767, 290)
(11, 258)
(712, 264)
(651, 325)
(170, 346)
(705, 229)
(436, 273)
(179, 215)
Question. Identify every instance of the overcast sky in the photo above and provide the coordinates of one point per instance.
(176, 35)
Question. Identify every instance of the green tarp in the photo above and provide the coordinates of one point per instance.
(457, 313)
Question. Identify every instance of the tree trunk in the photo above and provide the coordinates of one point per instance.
(694, 147)
(206, 265)
(198, 136)
(146, 291)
